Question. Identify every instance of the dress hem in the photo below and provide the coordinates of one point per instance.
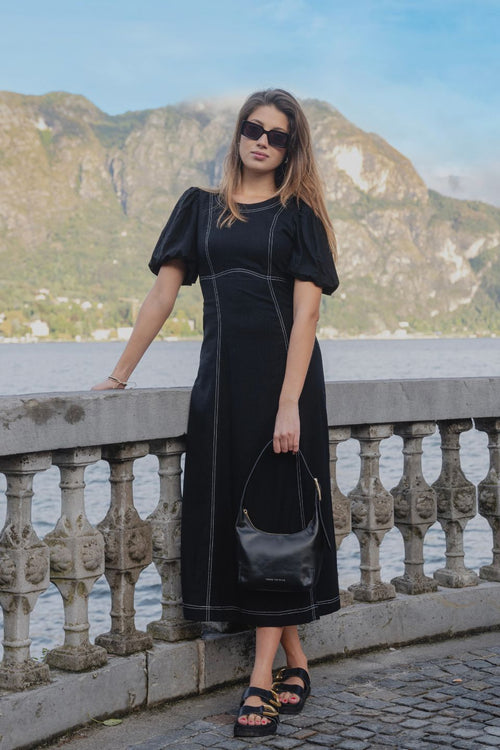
(275, 619)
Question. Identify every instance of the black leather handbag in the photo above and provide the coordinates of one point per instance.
(269, 561)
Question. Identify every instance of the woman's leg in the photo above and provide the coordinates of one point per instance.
(267, 641)
(295, 657)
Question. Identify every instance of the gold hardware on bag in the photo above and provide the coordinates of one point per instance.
(318, 488)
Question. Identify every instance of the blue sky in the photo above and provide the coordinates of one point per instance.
(421, 73)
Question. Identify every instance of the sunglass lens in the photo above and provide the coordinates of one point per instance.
(277, 139)
(252, 130)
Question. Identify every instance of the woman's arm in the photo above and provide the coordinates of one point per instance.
(306, 301)
(154, 311)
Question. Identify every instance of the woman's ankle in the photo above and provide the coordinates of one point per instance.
(297, 662)
(261, 679)
(295, 658)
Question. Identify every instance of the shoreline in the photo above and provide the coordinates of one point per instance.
(340, 337)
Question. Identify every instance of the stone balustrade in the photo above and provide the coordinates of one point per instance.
(73, 431)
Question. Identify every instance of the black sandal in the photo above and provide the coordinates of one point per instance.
(269, 710)
(280, 686)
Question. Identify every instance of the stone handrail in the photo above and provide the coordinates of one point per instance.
(74, 430)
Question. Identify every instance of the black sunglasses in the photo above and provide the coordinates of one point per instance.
(275, 138)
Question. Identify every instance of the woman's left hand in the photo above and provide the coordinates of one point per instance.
(287, 428)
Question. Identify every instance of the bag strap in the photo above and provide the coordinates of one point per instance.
(317, 487)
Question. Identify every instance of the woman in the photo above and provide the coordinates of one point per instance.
(263, 248)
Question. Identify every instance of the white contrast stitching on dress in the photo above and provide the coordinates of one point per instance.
(269, 277)
(243, 270)
(222, 607)
(245, 210)
(216, 413)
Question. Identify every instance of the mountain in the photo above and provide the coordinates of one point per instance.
(84, 195)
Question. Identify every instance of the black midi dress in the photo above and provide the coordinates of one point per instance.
(247, 274)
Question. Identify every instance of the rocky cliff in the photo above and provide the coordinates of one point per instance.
(83, 196)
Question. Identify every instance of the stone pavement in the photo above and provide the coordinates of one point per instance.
(430, 696)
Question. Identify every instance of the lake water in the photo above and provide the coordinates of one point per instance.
(49, 367)
(39, 368)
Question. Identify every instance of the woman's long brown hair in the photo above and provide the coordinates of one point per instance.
(297, 177)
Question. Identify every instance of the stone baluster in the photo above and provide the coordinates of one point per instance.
(166, 525)
(456, 505)
(340, 503)
(489, 494)
(372, 514)
(24, 572)
(414, 509)
(128, 551)
(76, 562)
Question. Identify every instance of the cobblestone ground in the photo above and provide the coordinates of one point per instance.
(442, 703)
(427, 697)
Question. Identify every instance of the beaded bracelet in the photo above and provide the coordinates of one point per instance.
(115, 380)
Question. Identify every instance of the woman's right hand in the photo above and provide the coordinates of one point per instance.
(108, 385)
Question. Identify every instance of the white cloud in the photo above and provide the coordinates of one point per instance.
(466, 181)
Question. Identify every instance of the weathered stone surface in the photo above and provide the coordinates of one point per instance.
(414, 509)
(173, 671)
(372, 514)
(489, 495)
(222, 654)
(128, 550)
(77, 561)
(341, 504)
(404, 619)
(41, 422)
(46, 421)
(24, 572)
(456, 505)
(166, 530)
(71, 700)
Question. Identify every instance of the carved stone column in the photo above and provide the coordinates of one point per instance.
(456, 505)
(340, 503)
(24, 572)
(76, 562)
(127, 550)
(166, 524)
(414, 509)
(489, 494)
(372, 514)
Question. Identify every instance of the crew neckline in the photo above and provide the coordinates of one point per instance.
(274, 198)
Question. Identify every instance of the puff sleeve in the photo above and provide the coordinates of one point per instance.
(178, 239)
(311, 258)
